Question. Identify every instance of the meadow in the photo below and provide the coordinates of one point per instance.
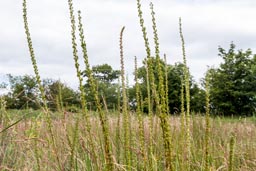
(29, 140)
(124, 139)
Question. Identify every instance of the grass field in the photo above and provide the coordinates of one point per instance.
(29, 140)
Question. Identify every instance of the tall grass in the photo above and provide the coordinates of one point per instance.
(18, 153)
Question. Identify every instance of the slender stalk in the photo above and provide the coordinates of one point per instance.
(118, 129)
(140, 119)
(131, 132)
(207, 123)
(75, 55)
(187, 92)
(103, 117)
(143, 28)
(127, 154)
(41, 88)
(166, 84)
(182, 122)
(80, 79)
(161, 93)
(162, 97)
(127, 92)
(32, 57)
(59, 99)
(231, 153)
(150, 81)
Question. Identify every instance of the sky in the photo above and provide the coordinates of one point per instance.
(207, 24)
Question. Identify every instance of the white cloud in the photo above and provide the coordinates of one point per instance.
(206, 25)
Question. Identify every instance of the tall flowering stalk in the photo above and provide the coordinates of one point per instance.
(166, 84)
(148, 51)
(207, 123)
(140, 119)
(182, 119)
(87, 120)
(80, 79)
(231, 152)
(187, 94)
(149, 79)
(103, 118)
(33, 58)
(118, 129)
(127, 154)
(41, 89)
(162, 97)
(182, 122)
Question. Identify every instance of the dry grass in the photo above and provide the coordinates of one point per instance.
(17, 153)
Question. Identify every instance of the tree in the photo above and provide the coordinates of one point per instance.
(60, 96)
(105, 73)
(175, 74)
(197, 100)
(107, 86)
(24, 92)
(233, 84)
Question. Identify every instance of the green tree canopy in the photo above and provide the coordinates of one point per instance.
(105, 73)
(107, 85)
(175, 74)
(233, 84)
(24, 93)
(60, 96)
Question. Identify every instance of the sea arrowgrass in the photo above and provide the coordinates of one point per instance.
(149, 80)
(162, 95)
(148, 52)
(140, 119)
(182, 122)
(81, 88)
(118, 129)
(187, 94)
(207, 123)
(87, 120)
(127, 145)
(59, 99)
(166, 84)
(41, 88)
(102, 116)
(132, 137)
(231, 152)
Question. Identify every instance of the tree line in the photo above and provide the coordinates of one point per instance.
(232, 88)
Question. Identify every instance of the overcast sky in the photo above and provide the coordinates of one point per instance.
(206, 25)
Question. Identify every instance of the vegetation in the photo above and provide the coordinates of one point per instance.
(45, 125)
(24, 93)
(107, 86)
(17, 149)
(233, 89)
